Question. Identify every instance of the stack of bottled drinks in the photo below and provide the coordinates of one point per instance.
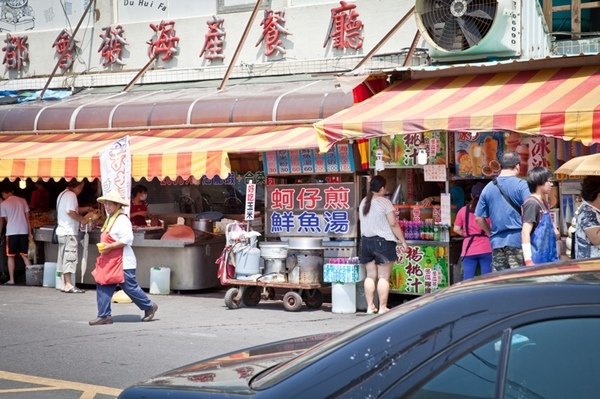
(424, 231)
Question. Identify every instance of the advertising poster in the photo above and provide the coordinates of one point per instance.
(420, 270)
(400, 151)
(478, 155)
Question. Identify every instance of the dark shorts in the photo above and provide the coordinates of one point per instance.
(507, 258)
(378, 249)
(17, 244)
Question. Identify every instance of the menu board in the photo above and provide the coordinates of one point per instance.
(478, 155)
(339, 159)
(420, 270)
(316, 210)
(400, 151)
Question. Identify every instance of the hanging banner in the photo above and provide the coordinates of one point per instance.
(250, 201)
(115, 169)
(401, 151)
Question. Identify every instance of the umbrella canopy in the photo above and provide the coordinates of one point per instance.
(587, 165)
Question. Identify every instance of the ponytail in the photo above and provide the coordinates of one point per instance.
(376, 183)
(367, 206)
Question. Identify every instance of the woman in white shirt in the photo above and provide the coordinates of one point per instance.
(116, 263)
(380, 234)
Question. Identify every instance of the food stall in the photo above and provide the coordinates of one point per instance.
(414, 164)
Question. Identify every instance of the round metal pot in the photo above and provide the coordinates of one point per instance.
(203, 225)
(273, 250)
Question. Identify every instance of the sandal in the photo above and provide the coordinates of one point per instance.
(75, 290)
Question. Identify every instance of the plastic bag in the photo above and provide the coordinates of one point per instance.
(32, 252)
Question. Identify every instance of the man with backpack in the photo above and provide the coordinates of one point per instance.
(501, 202)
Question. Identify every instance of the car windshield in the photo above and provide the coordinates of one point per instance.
(282, 371)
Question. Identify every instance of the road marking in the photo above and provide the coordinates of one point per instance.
(88, 391)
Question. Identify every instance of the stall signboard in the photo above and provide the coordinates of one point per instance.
(420, 270)
(339, 159)
(478, 154)
(316, 210)
(400, 151)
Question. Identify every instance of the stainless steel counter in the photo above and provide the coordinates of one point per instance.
(192, 264)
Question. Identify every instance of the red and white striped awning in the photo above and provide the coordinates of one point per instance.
(559, 102)
(155, 153)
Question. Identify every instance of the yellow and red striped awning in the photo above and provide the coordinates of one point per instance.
(155, 153)
(563, 103)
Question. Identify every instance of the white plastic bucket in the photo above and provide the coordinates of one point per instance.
(343, 298)
(49, 274)
(160, 280)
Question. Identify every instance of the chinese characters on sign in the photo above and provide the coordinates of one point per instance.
(213, 39)
(16, 52)
(164, 42)
(65, 47)
(315, 209)
(111, 47)
(420, 270)
(250, 201)
(345, 29)
(272, 24)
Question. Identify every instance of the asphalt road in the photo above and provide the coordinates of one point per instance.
(45, 333)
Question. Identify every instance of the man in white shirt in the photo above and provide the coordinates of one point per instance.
(68, 219)
(14, 211)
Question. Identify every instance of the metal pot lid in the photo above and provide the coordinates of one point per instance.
(213, 216)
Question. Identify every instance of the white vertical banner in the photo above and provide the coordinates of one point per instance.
(115, 169)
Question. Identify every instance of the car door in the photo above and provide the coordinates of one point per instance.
(550, 353)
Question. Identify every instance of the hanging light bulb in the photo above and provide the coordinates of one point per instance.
(22, 184)
(422, 157)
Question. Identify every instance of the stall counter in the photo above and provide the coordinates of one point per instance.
(192, 265)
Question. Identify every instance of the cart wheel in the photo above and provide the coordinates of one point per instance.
(313, 299)
(232, 298)
(251, 296)
(268, 293)
(292, 301)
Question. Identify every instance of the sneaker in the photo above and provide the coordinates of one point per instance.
(149, 314)
(371, 311)
(101, 320)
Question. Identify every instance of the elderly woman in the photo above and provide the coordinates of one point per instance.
(587, 234)
(116, 263)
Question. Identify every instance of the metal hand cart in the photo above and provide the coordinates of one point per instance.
(251, 292)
